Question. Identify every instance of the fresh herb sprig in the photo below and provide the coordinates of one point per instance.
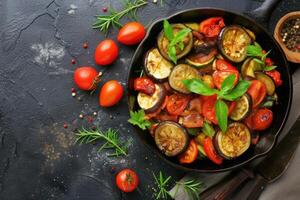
(110, 137)
(208, 130)
(104, 22)
(175, 40)
(162, 183)
(191, 187)
(138, 118)
(227, 92)
(257, 52)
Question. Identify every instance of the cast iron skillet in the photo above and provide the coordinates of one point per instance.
(268, 137)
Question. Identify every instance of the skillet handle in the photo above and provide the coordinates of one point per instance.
(263, 13)
(224, 189)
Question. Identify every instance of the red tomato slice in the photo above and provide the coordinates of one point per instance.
(276, 76)
(257, 91)
(192, 120)
(224, 69)
(190, 154)
(176, 104)
(211, 27)
(211, 152)
(223, 65)
(144, 85)
(208, 108)
(231, 107)
(262, 119)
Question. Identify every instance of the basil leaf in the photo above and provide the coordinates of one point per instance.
(172, 53)
(199, 87)
(208, 130)
(265, 55)
(221, 114)
(269, 68)
(180, 36)
(254, 51)
(240, 89)
(181, 45)
(258, 61)
(227, 84)
(168, 30)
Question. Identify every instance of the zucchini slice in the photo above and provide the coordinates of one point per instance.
(249, 67)
(233, 41)
(267, 80)
(179, 73)
(234, 142)
(201, 59)
(163, 42)
(150, 103)
(156, 66)
(171, 138)
(242, 108)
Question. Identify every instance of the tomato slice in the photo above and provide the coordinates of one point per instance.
(211, 27)
(231, 106)
(192, 120)
(262, 119)
(224, 69)
(144, 85)
(190, 153)
(276, 76)
(176, 104)
(164, 116)
(257, 91)
(208, 108)
(211, 152)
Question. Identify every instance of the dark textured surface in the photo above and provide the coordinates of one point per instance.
(38, 158)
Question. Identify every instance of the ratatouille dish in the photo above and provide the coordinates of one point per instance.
(206, 91)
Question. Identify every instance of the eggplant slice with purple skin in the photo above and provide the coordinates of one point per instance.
(242, 108)
(234, 142)
(156, 66)
(171, 138)
(150, 103)
(268, 81)
(233, 41)
(163, 42)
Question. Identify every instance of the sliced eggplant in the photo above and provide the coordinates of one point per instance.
(179, 73)
(150, 103)
(163, 42)
(242, 108)
(267, 80)
(233, 41)
(156, 66)
(234, 142)
(192, 120)
(171, 138)
(203, 44)
(192, 26)
(201, 59)
(251, 34)
(249, 67)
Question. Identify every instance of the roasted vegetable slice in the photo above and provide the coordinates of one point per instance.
(249, 67)
(201, 59)
(150, 103)
(180, 73)
(163, 42)
(233, 41)
(171, 138)
(242, 108)
(268, 81)
(156, 66)
(192, 26)
(234, 142)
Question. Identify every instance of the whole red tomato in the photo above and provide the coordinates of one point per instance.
(262, 119)
(127, 180)
(131, 33)
(110, 94)
(106, 52)
(86, 78)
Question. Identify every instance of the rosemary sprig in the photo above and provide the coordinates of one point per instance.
(191, 187)
(104, 22)
(161, 183)
(110, 137)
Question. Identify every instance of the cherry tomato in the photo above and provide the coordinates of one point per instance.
(257, 91)
(110, 94)
(211, 27)
(269, 62)
(86, 78)
(176, 104)
(276, 76)
(106, 52)
(208, 108)
(144, 85)
(224, 69)
(190, 153)
(131, 33)
(262, 119)
(127, 180)
(211, 152)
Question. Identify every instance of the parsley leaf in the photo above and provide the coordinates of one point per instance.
(138, 118)
(221, 114)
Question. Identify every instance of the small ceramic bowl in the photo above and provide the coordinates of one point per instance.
(291, 55)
